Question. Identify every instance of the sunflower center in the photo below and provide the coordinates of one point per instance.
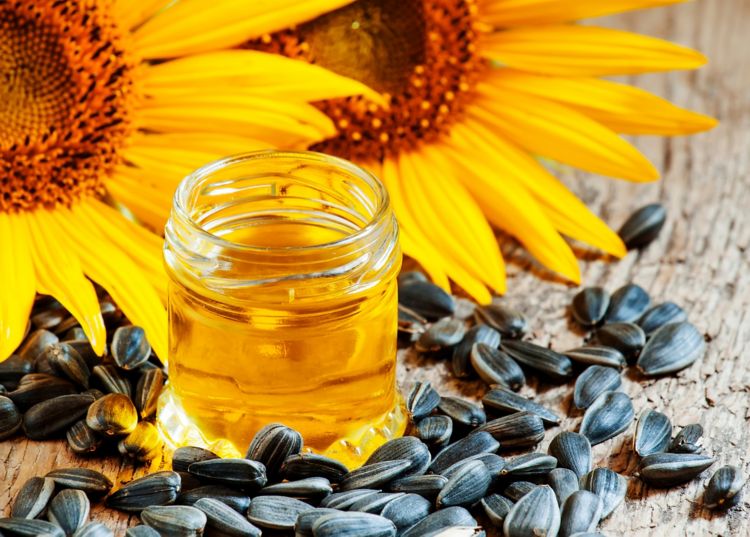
(65, 96)
(420, 54)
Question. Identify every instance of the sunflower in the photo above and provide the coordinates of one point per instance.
(108, 103)
(480, 92)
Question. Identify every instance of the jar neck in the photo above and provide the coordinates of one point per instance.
(281, 226)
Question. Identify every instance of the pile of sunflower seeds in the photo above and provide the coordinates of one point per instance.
(56, 386)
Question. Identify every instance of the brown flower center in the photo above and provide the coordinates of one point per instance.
(420, 54)
(65, 99)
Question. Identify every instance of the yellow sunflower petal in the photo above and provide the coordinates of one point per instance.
(512, 209)
(513, 165)
(257, 72)
(209, 144)
(553, 130)
(17, 275)
(59, 273)
(194, 26)
(116, 272)
(620, 107)
(131, 13)
(572, 50)
(443, 208)
(150, 206)
(505, 13)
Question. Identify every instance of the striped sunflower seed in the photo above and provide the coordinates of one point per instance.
(147, 392)
(671, 348)
(643, 226)
(39, 389)
(463, 413)
(130, 348)
(159, 488)
(303, 465)
(435, 431)
(175, 520)
(69, 509)
(353, 525)
(22, 527)
(593, 382)
(410, 323)
(224, 520)
(13, 369)
(529, 465)
(445, 332)
(144, 443)
(66, 361)
(536, 513)
(422, 400)
(344, 500)
(518, 489)
(563, 482)
(444, 518)
(688, 440)
(183, 457)
(627, 304)
(112, 415)
(466, 487)
(506, 320)
(308, 488)
(610, 486)
(670, 469)
(243, 473)
(572, 451)
(90, 481)
(426, 299)
(33, 497)
(10, 418)
(406, 510)
(608, 416)
(521, 429)
(507, 402)
(305, 521)
(653, 431)
(53, 416)
(660, 315)
(408, 448)
(375, 474)
(35, 343)
(112, 380)
(724, 489)
(461, 361)
(272, 445)
(628, 338)
(374, 503)
(597, 355)
(475, 443)
(494, 463)
(581, 513)
(590, 305)
(428, 486)
(276, 512)
(544, 360)
(227, 495)
(496, 367)
(496, 507)
(82, 439)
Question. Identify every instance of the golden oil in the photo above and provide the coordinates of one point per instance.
(282, 305)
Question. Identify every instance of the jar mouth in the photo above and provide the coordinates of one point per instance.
(205, 181)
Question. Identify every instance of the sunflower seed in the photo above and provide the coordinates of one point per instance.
(375, 474)
(10, 418)
(302, 465)
(406, 510)
(374, 503)
(521, 429)
(461, 362)
(536, 513)
(66, 361)
(130, 348)
(147, 392)
(410, 276)
(33, 497)
(509, 322)
(69, 509)
(435, 431)
(49, 418)
(93, 392)
(671, 348)
(405, 448)
(427, 486)
(112, 415)
(494, 463)
(581, 512)
(227, 495)
(143, 443)
(160, 488)
(462, 412)
(82, 439)
(242, 473)
(22, 527)
(175, 520)
(353, 525)
(444, 518)
(544, 360)
(422, 400)
(670, 469)
(141, 531)
(38, 390)
(94, 529)
(643, 226)
(410, 322)
(518, 489)
(75, 333)
(660, 315)
(305, 521)
(112, 380)
(86, 351)
(183, 457)
(590, 305)
(724, 489)
(35, 343)
(628, 338)
(466, 487)
(426, 299)
(572, 451)
(344, 500)
(610, 486)
(496, 507)
(89, 481)
(12, 369)
(276, 512)
(49, 318)
(688, 440)
(653, 431)
(597, 355)
(506, 401)
(529, 465)
(308, 488)
(608, 416)
(478, 442)
(443, 333)
(223, 519)
(496, 367)
(627, 304)
(593, 382)
(563, 482)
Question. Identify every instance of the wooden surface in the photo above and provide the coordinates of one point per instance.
(701, 260)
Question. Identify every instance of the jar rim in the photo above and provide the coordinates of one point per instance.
(189, 182)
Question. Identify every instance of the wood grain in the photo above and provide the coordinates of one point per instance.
(701, 260)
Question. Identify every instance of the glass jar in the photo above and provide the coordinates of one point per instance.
(282, 305)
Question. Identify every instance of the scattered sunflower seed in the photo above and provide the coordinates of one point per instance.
(112, 380)
(590, 305)
(653, 431)
(112, 415)
(544, 360)
(272, 445)
(643, 226)
(408, 448)
(183, 457)
(10, 418)
(521, 429)
(160, 488)
(428, 486)
(175, 520)
(466, 487)
(608, 416)
(66, 361)
(610, 486)
(94, 529)
(671, 348)
(130, 348)
(563, 482)
(475, 443)
(581, 513)
(375, 474)
(53, 416)
(276, 512)
(353, 525)
(82, 439)
(572, 451)
(308, 488)
(147, 392)
(628, 338)
(509, 322)
(627, 304)
(660, 315)
(22, 527)
(305, 521)
(223, 519)
(143, 443)
(724, 489)
(462, 361)
(443, 333)
(344, 500)
(507, 402)
(375, 503)
(496, 507)
(242, 473)
(33, 497)
(597, 355)
(670, 469)
(593, 382)
(444, 518)
(496, 367)
(435, 431)
(141, 531)
(406, 510)
(69, 509)
(537, 513)
(462, 412)
(518, 489)
(529, 465)
(302, 465)
(688, 440)
(426, 299)
(422, 400)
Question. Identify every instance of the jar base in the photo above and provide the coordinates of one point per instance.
(352, 450)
